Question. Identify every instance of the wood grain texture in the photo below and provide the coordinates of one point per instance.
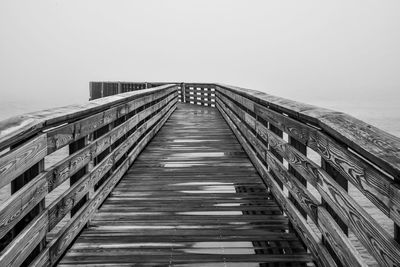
(368, 231)
(20, 203)
(364, 155)
(17, 161)
(65, 202)
(314, 243)
(17, 251)
(182, 201)
(18, 128)
(380, 147)
(343, 248)
(64, 169)
(65, 135)
(372, 183)
(81, 121)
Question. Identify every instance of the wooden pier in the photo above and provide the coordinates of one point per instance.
(192, 196)
(194, 174)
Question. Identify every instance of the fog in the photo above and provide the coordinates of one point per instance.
(312, 51)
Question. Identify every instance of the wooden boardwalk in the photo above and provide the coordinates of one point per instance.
(124, 190)
(192, 198)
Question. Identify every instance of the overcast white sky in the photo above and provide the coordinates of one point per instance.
(304, 50)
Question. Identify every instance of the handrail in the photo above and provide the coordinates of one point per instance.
(278, 134)
(104, 137)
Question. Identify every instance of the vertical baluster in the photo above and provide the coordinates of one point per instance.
(102, 89)
(303, 150)
(17, 184)
(279, 133)
(342, 181)
(183, 92)
(73, 147)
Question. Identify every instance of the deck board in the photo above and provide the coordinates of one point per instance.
(192, 198)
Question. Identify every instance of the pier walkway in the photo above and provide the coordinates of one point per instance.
(196, 174)
(191, 197)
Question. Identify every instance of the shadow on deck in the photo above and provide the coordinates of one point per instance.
(192, 197)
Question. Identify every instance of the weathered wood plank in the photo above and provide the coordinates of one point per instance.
(376, 145)
(144, 208)
(64, 203)
(26, 160)
(373, 184)
(64, 135)
(20, 203)
(338, 241)
(68, 233)
(314, 243)
(20, 127)
(18, 160)
(63, 170)
(17, 251)
(370, 233)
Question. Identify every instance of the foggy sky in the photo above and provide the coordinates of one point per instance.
(303, 50)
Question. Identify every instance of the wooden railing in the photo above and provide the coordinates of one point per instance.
(103, 138)
(193, 93)
(308, 157)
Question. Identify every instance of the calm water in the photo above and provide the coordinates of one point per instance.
(380, 114)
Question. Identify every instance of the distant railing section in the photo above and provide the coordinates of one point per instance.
(103, 138)
(308, 157)
(193, 93)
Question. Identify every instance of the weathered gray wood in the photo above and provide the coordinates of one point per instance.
(20, 127)
(337, 197)
(338, 241)
(64, 135)
(18, 160)
(303, 150)
(374, 185)
(303, 229)
(374, 144)
(25, 161)
(67, 167)
(20, 203)
(20, 248)
(351, 150)
(68, 233)
(159, 202)
(64, 203)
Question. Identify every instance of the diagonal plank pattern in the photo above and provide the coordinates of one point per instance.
(192, 198)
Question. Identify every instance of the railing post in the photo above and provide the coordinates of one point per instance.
(73, 147)
(279, 133)
(303, 150)
(342, 181)
(183, 92)
(17, 184)
(90, 90)
(119, 88)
